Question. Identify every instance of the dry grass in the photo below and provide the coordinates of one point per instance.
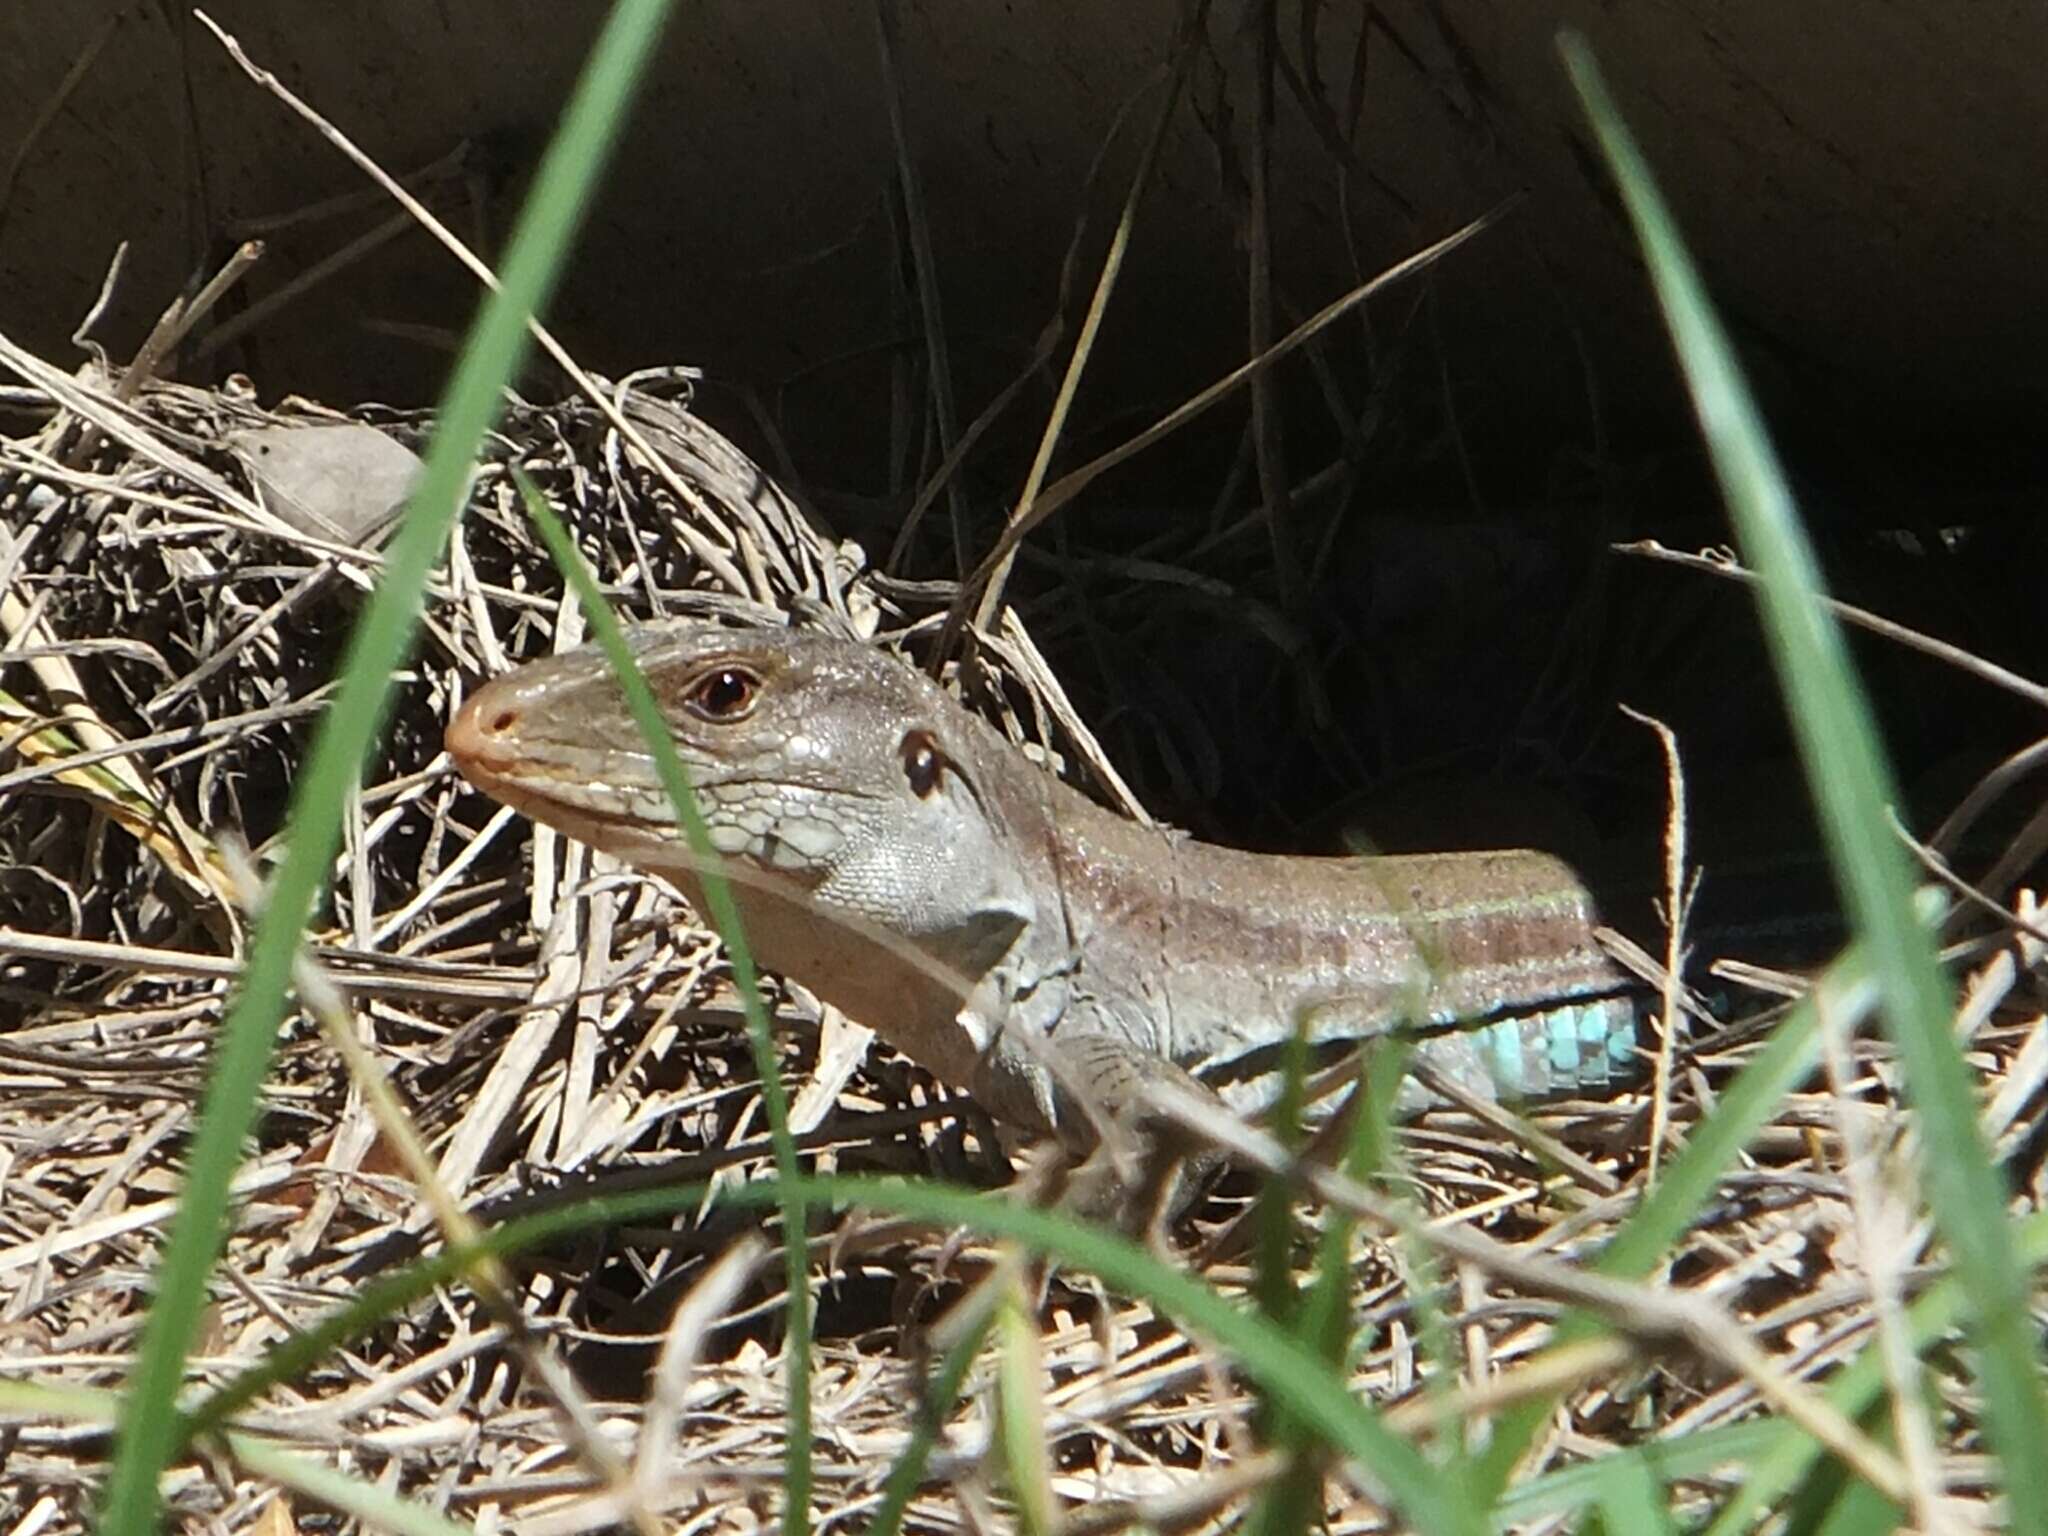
(555, 1022)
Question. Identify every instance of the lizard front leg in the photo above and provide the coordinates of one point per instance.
(1086, 1077)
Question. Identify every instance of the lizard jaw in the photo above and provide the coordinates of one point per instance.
(635, 821)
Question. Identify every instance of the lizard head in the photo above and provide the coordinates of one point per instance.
(821, 766)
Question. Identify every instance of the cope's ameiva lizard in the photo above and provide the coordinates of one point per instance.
(902, 860)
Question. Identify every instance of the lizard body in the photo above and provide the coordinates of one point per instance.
(893, 853)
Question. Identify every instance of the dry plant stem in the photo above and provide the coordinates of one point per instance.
(432, 1377)
(1353, 446)
(131, 650)
(81, 400)
(712, 557)
(1637, 1310)
(1070, 485)
(708, 1299)
(253, 1180)
(190, 863)
(251, 633)
(1268, 443)
(441, 168)
(1881, 1225)
(1020, 651)
(2019, 857)
(81, 337)
(1985, 791)
(184, 735)
(1184, 1508)
(1995, 981)
(1545, 1146)
(1042, 350)
(1938, 868)
(1725, 567)
(991, 578)
(941, 479)
(1990, 986)
(889, 42)
(352, 559)
(1338, 131)
(1468, 1428)
(47, 113)
(559, 865)
(970, 1315)
(1638, 962)
(442, 883)
(68, 691)
(1674, 938)
(493, 1282)
(502, 989)
(177, 321)
(302, 282)
(1550, 1374)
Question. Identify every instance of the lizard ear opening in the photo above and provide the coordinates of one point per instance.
(923, 763)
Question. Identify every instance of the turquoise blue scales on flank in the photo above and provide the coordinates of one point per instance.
(1566, 1047)
(1580, 1048)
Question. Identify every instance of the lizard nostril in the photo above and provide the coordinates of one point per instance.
(484, 730)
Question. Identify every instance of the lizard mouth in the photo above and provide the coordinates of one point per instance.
(569, 788)
(578, 815)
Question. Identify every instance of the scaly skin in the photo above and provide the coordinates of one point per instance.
(898, 857)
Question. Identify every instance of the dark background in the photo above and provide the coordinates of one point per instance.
(1430, 649)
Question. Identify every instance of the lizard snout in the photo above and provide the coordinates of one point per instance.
(543, 725)
(485, 731)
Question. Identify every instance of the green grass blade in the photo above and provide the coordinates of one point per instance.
(1833, 1501)
(60, 1401)
(377, 1508)
(1746, 1105)
(725, 916)
(1582, 1484)
(940, 1394)
(1020, 1442)
(1853, 792)
(380, 1508)
(1776, 1455)
(1632, 1501)
(1780, 1466)
(1294, 1498)
(387, 1296)
(1288, 1369)
(146, 1437)
(1326, 1315)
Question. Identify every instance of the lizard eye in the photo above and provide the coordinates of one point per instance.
(923, 762)
(723, 694)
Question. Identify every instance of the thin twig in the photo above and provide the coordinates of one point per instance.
(1644, 1312)
(1725, 566)
(1070, 485)
(713, 558)
(989, 580)
(1675, 915)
